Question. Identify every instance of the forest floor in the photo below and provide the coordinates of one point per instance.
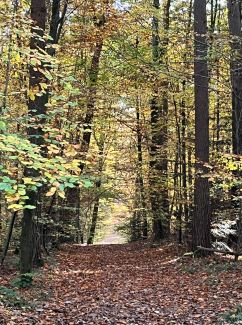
(137, 283)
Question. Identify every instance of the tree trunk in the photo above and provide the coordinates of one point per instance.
(9, 235)
(98, 185)
(94, 217)
(35, 107)
(139, 175)
(201, 218)
(91, 103)
(184, 162)
(236, 74)
(159, 197)
(56, 23)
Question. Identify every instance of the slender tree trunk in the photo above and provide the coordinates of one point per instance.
(184, 162)
(98, 185)
(56, 23)
(9, 235)
(234, 12)
(2, 108)
(201, 218)
(140, 175)
(73, 194)
(94, 217)
(159, 200)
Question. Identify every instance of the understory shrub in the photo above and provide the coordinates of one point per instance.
(10, 297)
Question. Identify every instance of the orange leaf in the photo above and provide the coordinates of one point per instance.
(49, 193)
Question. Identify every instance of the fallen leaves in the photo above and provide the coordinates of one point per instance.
(131, 284)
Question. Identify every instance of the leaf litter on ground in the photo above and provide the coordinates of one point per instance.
(136, 283)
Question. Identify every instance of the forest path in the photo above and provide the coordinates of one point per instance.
(113, 238)
(133, 284)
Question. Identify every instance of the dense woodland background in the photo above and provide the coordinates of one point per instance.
(125, 113)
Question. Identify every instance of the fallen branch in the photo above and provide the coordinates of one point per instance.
(219, 251)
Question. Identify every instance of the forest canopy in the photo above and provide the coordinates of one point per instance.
(119, 112)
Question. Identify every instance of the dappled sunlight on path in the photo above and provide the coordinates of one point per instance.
(113, 238)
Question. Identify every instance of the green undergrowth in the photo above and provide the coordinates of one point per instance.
(10, 297)
(23, 281)
(232, 317)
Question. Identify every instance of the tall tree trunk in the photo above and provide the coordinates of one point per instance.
(201, 218)
(159, 201)
(139, 176)
(98, 185)
(73, 194)
(184, 163)
(91, 103)
(56, 23)
(35, 107)
(236, 73)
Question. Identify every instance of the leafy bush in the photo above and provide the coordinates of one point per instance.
(11, 298)
(24, 281)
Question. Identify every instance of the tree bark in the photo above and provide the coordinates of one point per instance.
(236, 73)
(139, 175)
(159, 198)
(9, 235)
(94, 217)
(201, 218)
(35, 107)
(98, 185)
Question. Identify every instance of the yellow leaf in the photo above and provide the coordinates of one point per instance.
(31, 95)
(61, 194)
(16, 207)
(43, 85)
(28, 180)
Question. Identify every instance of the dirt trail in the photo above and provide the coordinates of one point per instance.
(133, 284)
(113, 238)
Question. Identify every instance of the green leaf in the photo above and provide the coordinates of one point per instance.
(3, 186)
(8, 188)
(62, 195)
(2, 125)
(69, 185)
(71, 78)
(48, 76)
(72, 104)
(87, 184)
(61, 187)
(22, 191)
(30, 207)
